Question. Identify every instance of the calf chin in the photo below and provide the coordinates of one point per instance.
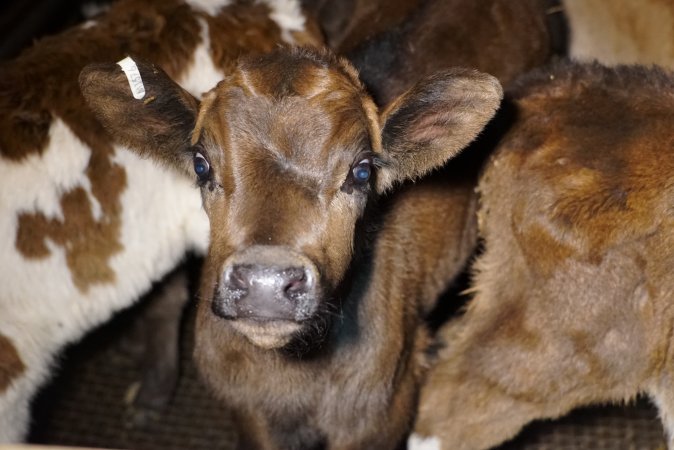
(267, 334)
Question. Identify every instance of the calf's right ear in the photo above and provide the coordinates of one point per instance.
(434, 120)
(145, 111)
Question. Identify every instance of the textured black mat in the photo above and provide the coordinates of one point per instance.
(634, 427)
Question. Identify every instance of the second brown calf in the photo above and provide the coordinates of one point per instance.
(573, 292)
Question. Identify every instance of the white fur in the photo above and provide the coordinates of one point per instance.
(416, 442)
(288, 15)
(203, 75)
(210, 7)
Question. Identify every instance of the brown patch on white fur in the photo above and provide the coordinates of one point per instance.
(11, 365)
(43, 80)
(88, 243)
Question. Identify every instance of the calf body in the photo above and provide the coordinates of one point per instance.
(573, 289)
(499, 37)
(312, 294)
(86, 226)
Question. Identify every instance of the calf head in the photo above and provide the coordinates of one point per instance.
(287, 150)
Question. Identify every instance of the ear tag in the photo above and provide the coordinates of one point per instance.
(132, 73)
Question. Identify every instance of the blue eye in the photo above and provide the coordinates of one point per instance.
(362, 171)
(201, 166)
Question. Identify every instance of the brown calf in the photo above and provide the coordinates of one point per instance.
(311, 296)
(572, 292)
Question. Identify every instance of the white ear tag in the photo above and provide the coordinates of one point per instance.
(130, 69)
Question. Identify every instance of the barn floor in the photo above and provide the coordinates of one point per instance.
(85, 407)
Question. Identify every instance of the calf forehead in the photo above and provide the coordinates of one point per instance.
(299, 72)
(297, 133)
(295, 114)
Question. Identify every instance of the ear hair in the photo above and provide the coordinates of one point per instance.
(434, 120)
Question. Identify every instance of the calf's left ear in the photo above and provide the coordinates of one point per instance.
(143, 109)
(434, 120)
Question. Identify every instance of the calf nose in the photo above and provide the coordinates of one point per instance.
(266, 292)
(289, 282)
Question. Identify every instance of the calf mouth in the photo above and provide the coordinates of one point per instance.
(297, 335)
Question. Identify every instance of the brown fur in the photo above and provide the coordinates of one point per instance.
(499, 37)
(348, 23)
(247, 29)
(572, 292)
(11, 365)
(281, 134)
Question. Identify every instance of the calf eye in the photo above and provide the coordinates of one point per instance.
(361, 172)
(201, 166)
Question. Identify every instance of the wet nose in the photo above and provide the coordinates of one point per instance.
(287, 282)
(264, 292)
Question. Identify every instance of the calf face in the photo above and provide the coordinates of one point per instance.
(286, 150)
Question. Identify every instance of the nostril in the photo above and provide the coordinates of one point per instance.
(295, 286)
(296, 282)
(238, 278)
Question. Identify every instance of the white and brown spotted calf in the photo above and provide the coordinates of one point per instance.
(86, 226)
(574, 290)
(310, 320)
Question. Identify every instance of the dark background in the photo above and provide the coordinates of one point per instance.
(23, 21)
